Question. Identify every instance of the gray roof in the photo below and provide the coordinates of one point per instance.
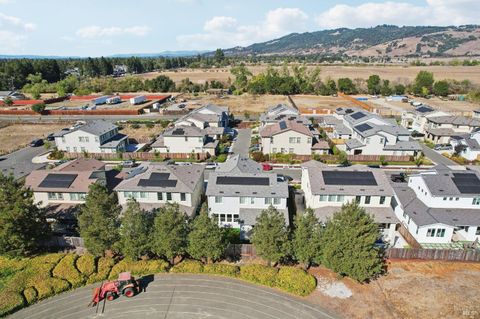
(239, 164)
(404, 146)
(375, 129)
(441, 131)
(249, 215)
(211, 130)
(274, 188)
(379, 214)
(114, 141)
(423, 215)
(96, 127)
(472, 144)
(221, 112)
(353, 143)
(346, 110)
(366, 116)
(330, 120)
(440, 183)
(187, 131)
(318, 186)
(187, 178)
(455, 120)
(159, 142)
(342, 129)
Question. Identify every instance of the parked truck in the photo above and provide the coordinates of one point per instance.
(114, 100)
(137, 99)
(100, 100)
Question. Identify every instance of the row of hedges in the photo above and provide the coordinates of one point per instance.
(290, 279)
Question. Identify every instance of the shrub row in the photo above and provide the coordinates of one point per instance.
(138, 268)
(66, 269)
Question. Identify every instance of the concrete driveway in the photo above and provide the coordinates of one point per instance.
(182, 296)
(19, 163)
(437, 158)
(242, 144)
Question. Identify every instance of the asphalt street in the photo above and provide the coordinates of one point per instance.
(436, 157)
(20, 162)
(182, 296)
(242, 144)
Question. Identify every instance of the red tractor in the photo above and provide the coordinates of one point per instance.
(125, 285)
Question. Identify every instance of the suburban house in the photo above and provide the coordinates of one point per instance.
(206, 116)
(439, 129)
(185, 140)
(416, 120)
(440, 206)
(238, 191)
(328, 188)
(282, 112)
(97, 136)
(291, 137)
(468, 145)
(60, 190)
(153, 185)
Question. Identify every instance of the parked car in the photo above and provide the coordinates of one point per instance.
(398, 178)
(417, 134)
(443, 147)
(51, 137)
(129, 164)
(211, 165)
(36, 143)
(230, 150)
(267, 167)
(183, 163)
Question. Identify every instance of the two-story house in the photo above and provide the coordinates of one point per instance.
(97, 136)
(238, 191)
(467, 145)
(153, 185)
(62, 189)
(282, 112)
(185, 140)
(440, 206)
(328, 188)
(206, 116)
(287, 137)
(416, 120)
(439, 129)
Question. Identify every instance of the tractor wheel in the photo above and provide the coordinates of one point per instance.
(111, 296)
(128, 292)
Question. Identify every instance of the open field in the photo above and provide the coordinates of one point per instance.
(411, 289)
(395, 73)
(141, 134)
(16, 136)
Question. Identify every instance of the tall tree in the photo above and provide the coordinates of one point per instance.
(441, 88)
(22, 224)
(98, 221)
(423, 83)
(169, 237)
(348, 244)
(345, 85)
(373, 84)
(270, 235)
(205, 240)
(135, 231)
(219, 55)
(306, 238)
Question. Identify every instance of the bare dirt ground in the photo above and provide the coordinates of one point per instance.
(16, 136)
(411, 289)
(141, 134)
(320, 102)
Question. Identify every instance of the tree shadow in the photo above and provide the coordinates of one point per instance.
(144, 282)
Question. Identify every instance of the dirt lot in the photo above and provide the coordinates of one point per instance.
(141, 134)
(16, 136)
(410, 290)
(320, 102)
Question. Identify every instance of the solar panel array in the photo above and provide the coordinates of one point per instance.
(178, 131)
(363, 127)
(358, 115)
(283, 125)
(424, 109)
(232, 180)
(349, 178)
(58, 180)
(467, 183)
(158, 180)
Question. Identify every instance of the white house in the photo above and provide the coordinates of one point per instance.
(439, 129)
(282, 112)
(238, 191)
(185, 139)
(416, 120)
(440, 206)
(97, 136)
(328, 188)
(206, 116)
(470, 145)
(287, 137)
(153, 185)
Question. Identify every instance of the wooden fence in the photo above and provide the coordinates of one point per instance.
(434, 254)
(141, 156)
(369, 158)
(237, 251)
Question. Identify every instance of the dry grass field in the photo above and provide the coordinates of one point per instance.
(16, 136)
(141, 134)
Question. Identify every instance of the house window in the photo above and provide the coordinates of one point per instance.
(382, 200)
(160, 196)
(332, 198)
(476, 201)
(444, 198)
(290, 150)
(169, 196)
(441, 232)
(309, 140)
(340, 198)
(291, 140)
(358, 199)
(143, 195)
(222, 217)
(276, 201)
(228, 218)
(183, 197)
(431, 232)
(96, 139)
(218, 199)
(274, 149)
(75, 149)
(77, 196)
(477, 233)
(323, 198)
(298, 140)
(80, 138)
(55, 196)
(82, 149)
(236, 218)
(244, 200)
(367, 199)
(68, 148)
(451, 198)
(456, 198)
(63, 139)
(268, 201)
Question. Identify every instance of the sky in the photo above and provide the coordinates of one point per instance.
(106, 27)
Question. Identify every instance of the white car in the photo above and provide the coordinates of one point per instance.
(212, 165)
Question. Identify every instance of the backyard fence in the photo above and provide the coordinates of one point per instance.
(434, 254)
(141, 156)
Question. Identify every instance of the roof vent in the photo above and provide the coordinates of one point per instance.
(254, 192)
(221, 192)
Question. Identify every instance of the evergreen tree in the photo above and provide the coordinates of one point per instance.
(270, 235)
(348, 244)
(441, 88)
(98, 221)
(205, 240)
(22, 224)
(373, 84)
(170, 233)
(135, 231)
(306, 238)
(346, 85)
(423, 83)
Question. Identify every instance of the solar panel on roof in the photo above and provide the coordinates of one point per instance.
(348, 178)
(58, 180)
(178, 131)
(424, 109)
(467, 183)
(358, 115)
(363, 127)
(283, 125)
(232, 180)
(157, 183)
(158, 176)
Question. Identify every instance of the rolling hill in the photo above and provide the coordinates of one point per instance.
(379, 41)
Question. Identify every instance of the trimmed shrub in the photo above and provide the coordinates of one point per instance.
(188, 266)
(104, 265)
(259, 274)
(295, 281)
(141, 267)
(30, 295)
(65, 269)
(221, 269)
(9, 302)
(86, 264)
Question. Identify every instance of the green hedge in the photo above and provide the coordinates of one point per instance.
(86, 264)
(295, 281)
(104, 265)
(221, 269)
(66, 269)
(142, 267)
(188, 266)
(259, 274)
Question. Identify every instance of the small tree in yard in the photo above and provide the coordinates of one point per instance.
(306, 238)
(205, 240)
(38, 108)
(348, 244)
(135, 231)
(22, 224)
(8, 101)
(270, 236)
(170, 233)
(98, 220)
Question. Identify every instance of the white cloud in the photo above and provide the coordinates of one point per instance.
(96, 31)
(434, 12)
(15, 22)
(222, 31)
(12, 42)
